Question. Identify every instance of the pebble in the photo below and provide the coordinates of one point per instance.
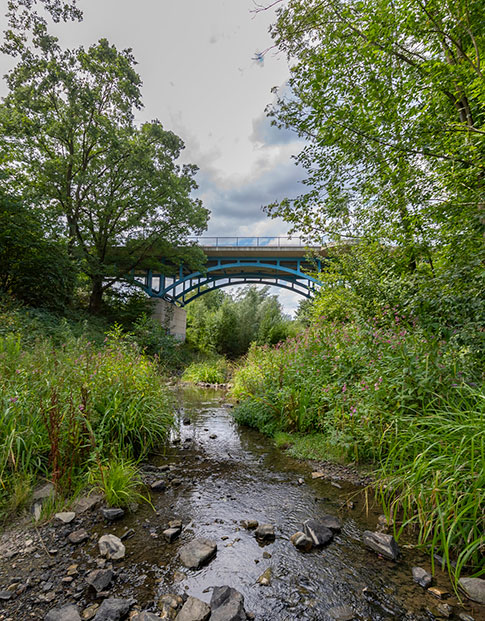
(265, 578)
(265, 532)
(438, 592)
(422, 577)
(66, 517)
(113, 514)
(78, 536)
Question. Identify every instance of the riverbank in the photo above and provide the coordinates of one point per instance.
(216, 478)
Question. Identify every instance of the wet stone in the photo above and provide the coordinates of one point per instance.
(169, 604)
(422, 577)
(5, 595)
(111, 547)
(147, 616)
(176, 482)
(194, 610)
(89, 612)
(383, 544)
(227, 604)
(99, 579)
(113, 609)
(66, 613)
(249, 524)
(331, 522)
(198, 552)
(112, 514)
(78, 536)
(474, 588)
(265, 532)
(445, 610)
(342, 613)
(265, 578)
(171, 534)
(301, 541)
(158, 486)
(439, 592)
(463, 616)
(317, 532)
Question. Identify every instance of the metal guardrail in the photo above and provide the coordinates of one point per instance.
(254, 242)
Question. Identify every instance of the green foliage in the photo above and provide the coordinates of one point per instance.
(386, 392)
(61, 406)
(33, 269)
(217, 322)
(119, 480)
(212, 371)
(111, 189)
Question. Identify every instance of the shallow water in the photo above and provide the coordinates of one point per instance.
(240, 475)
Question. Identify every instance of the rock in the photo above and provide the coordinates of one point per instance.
(111, 547)
(439, 592)
(265, 532)
(445, 610)
(213, 436)
(66, 517)
(194, 610)
(147, 616)
(227, 604)
(37, 510)
(302, 541)
(187, 421)
(198, 552)
(86, 503)
(127, 534)
(44, 492)
(331, 522)
(67, 613)
(318, 475)
(266, 555)
(342, 613)
(89, 612)
(474, 588)
(171, 534)
(176, 482)
(169, 605)
(113, 609)
(383, 544)
(464, 617)
(112, 514)
(317, 532)
(249, 524)
(265, 578)
(158, 486)
(99, 579)
(175, 524)
(5, 596)
(422, 577)
(78, 536)
(301, 481)
(383, 522)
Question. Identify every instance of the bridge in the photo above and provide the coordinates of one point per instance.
(277, 261)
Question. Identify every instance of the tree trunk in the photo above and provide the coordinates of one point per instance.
(96, 298)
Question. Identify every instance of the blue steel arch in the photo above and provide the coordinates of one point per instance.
(229, 271)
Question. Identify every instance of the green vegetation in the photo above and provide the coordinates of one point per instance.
(119, 480)
(211, 371)
(220, 323)
(68, 403)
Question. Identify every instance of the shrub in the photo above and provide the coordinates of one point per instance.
(214, 371)
(119, 480)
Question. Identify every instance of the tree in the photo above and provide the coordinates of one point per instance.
(391, 99)
(111, 188)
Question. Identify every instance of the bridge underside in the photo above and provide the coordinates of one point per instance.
(285, 268)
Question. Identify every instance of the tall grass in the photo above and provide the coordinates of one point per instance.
(383, 392)
(213, 371)
(61, 405)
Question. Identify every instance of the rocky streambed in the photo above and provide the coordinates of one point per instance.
(237, 530)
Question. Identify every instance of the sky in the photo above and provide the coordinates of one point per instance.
(196, 59)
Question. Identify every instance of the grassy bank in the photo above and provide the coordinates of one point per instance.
(213, 370)
(382, 393)
(72, 410)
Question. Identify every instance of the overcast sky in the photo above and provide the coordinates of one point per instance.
(200, 79)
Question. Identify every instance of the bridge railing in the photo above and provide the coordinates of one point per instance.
(256, 242)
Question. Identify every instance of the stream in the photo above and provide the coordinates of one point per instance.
(219, 474)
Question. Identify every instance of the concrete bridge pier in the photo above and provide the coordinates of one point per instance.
(172, 317)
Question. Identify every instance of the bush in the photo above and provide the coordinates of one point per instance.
(214, 371)
(119, 480)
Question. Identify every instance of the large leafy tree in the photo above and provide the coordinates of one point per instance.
(111, 188)
(391, 99)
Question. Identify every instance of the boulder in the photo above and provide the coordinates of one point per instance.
(422, 577)
(227, 604)
(194, 610)
(99, 579)
(383, 544)
(111, 547)
(66, 516)
(265, 532)
(301, 541)
(113, 514)
(171, 534)
(78, 536)
(198, 552)
(317, 532)
(474, 588)
(67, 613)
(113, 609)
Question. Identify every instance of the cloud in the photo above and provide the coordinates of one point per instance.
(267, 134)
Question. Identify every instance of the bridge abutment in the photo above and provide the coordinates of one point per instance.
(172, 317)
